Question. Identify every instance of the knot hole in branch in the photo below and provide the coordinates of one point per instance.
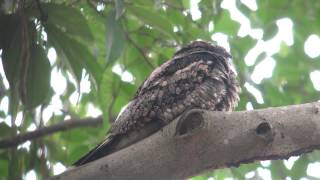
(189, 122)
(264, 131)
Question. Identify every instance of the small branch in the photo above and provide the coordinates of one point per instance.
(44, 131)
(201, 140)
(43, 15)
(173, 6)
(141, 51)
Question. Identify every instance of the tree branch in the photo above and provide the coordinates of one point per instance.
(146, 59)
(44, 131)
(204, 140)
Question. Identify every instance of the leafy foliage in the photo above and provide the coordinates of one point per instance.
(113, 46)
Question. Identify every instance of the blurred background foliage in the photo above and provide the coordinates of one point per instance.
(71, 59)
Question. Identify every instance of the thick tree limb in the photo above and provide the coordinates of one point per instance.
(203, 140)
(62, 126)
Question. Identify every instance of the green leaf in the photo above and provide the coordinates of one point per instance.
(2, 114)
(154, 19)
(15, 165)
(299, 168)
(76, 55)
(33, 85)
(284, 49)
(144, 3)
(76, 152)
(38, 78)
(97, 24)
(199, 178)
(5, 130)
(12, 52)
(68, 19)
(278, 170)
(226, 25)
(105, 91)
(11, 58)
(270, 31)
(314, 156)
(186, 4)
(222, 174)
(4, 165)
(114, 38)
(269, 11)
(7, 29)
(243, 169)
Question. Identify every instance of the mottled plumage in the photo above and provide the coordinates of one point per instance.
(198, 76)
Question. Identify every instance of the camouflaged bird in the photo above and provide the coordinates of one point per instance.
(199, 75)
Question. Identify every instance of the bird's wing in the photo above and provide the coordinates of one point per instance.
(116, 142)
(94, 153)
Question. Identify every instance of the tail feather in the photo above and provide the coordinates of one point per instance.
(99, 151)
(115, 142)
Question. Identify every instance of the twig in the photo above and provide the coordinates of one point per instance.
(43, 15)
(41, 132)
(173, 6)
(140, 50)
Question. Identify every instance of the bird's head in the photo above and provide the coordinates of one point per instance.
(201, 46)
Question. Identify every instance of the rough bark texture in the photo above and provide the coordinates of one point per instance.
(205, 140)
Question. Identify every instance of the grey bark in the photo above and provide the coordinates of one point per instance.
(200, 140)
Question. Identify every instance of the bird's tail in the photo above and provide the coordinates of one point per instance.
(99, 151)
(116, 142)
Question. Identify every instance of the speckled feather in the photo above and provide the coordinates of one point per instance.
(198, 76)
